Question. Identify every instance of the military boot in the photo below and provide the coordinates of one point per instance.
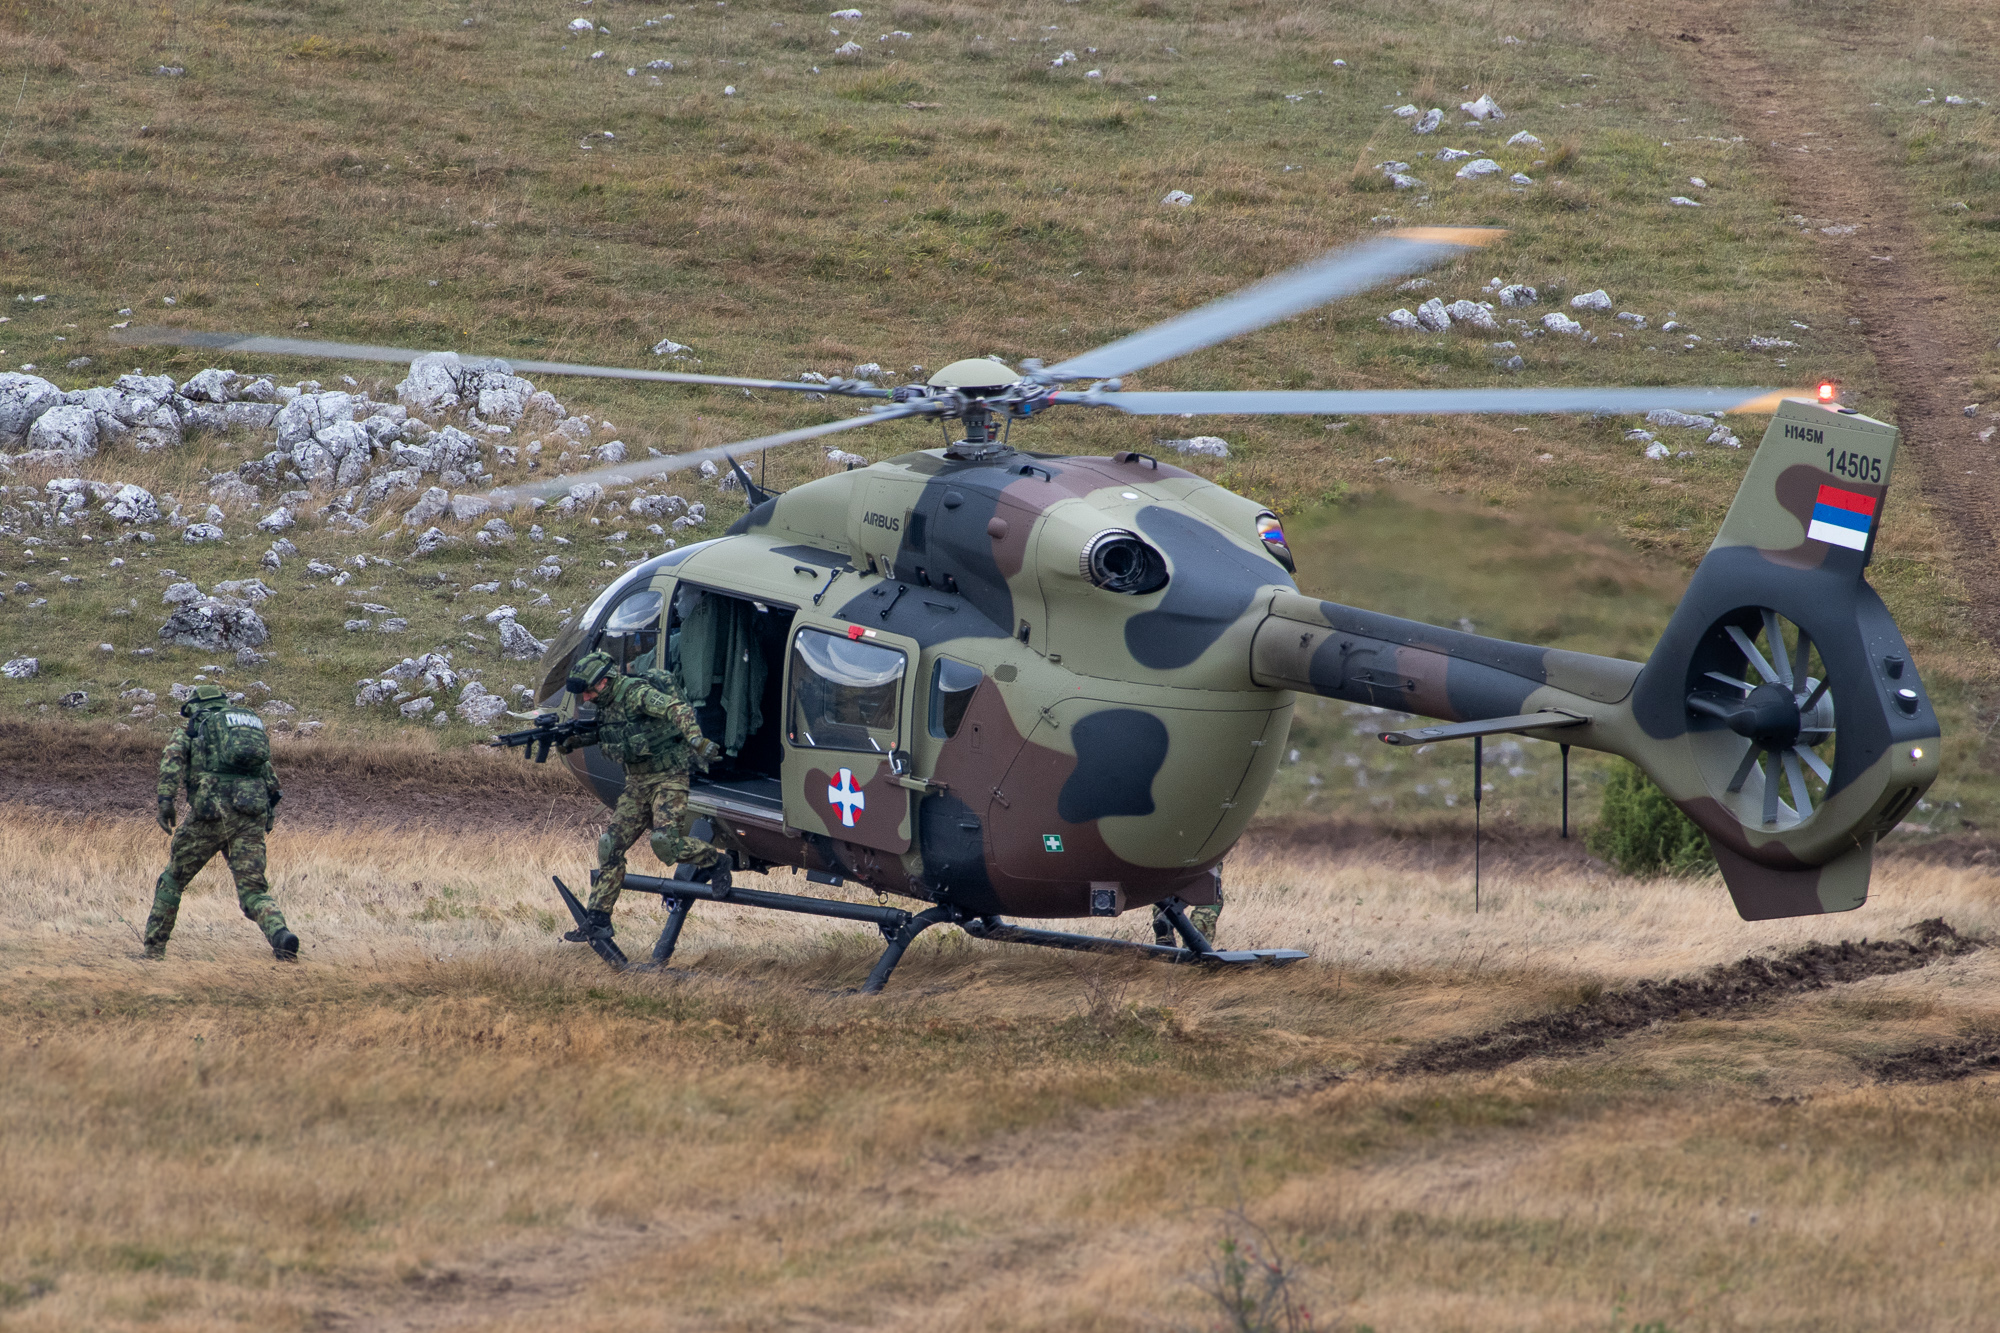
(597, 926)
(285, 946)
(717, 877)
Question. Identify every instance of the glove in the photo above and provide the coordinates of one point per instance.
(270, 818)
(167, 814)
(707, 753)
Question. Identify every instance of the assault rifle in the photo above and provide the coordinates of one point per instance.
(547, 731)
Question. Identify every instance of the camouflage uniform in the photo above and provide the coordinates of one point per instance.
(645, 724)
(227, 814)
(1204, 919)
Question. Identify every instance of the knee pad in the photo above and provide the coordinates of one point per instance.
(608, 851)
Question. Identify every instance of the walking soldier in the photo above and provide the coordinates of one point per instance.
(223, 756)
(645, 725)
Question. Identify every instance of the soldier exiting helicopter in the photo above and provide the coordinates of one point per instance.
(645, 725)
(223, 756)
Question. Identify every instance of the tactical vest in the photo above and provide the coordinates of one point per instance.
(634, 739)
(229, 742)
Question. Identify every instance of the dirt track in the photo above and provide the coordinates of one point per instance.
(1728, 989)
(96, 771)
(1922, 331)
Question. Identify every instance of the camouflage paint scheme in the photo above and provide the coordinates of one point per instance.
(1138, 732)
(1886, 756)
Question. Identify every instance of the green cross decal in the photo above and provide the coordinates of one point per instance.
(1052, 842)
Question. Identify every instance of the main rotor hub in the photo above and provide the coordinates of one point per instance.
(976, 377)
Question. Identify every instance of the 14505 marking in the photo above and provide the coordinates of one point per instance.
(1860, 467)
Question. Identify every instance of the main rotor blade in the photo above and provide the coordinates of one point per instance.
(652, 467)
(238, 342)
(1407, 402)
(1342, 272)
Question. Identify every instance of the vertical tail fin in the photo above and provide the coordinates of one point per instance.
(1780, 709)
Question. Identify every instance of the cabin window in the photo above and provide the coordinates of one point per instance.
(952, 684)
(631, 633)
(845, 693)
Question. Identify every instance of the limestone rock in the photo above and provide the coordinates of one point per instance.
(310, 413)
(132, 504)
(478, 707)
(196, 533)
(68, 430)
(430, 506)
(430, 540)
(212, 624)
(210, 386)
(517, 643)
(243, 590)
(23, 399)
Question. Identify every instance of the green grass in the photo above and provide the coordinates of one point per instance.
(440, 177)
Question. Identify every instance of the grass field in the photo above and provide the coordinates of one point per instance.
(444, 1119)
(294, 176)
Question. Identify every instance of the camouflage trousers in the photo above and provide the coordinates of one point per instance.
(1204, 919)
(240, 839)
(655, 801)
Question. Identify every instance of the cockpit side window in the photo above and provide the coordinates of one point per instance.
(845, 694)
(631, 633)
(952, 684)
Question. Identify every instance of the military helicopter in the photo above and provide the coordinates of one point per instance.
(1003, 682)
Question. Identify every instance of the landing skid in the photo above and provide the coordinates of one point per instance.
(900, 928)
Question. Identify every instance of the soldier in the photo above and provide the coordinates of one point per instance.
(223, 755)
(645, 725)
(1204, 919)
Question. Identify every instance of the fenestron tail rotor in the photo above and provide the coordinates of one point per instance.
(1780, 707)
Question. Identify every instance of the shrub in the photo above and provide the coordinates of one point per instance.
(1642, 832)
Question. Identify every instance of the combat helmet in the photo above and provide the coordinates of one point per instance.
(204, 696)
(589, 669)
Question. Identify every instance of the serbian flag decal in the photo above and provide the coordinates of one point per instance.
(1842, 518)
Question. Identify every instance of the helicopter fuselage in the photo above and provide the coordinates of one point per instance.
(1008, 683)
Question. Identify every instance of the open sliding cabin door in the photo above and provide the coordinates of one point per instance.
(849, 696)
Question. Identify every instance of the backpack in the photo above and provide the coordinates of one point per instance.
(232, 742)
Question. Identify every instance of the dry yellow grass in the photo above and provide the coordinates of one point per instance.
(444, 1118)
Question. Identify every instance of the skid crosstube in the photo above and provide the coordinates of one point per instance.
(900, 928)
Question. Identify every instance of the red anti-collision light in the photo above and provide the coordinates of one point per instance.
(1827, 391)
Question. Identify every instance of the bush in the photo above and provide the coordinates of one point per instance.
(1643, 833)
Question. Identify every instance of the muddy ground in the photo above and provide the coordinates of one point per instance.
(1734, 988)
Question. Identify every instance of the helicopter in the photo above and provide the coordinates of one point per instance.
(1011, 683)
